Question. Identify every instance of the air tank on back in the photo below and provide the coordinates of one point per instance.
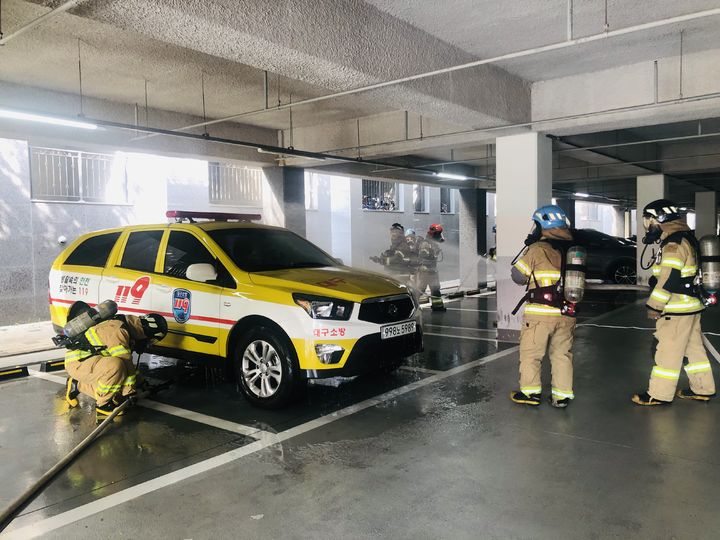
(575, 261)
(710, 262)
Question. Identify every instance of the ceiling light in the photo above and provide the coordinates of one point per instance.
(451, 176)
(580, 194)
(41, 118)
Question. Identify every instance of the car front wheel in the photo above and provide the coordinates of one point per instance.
(266, 368)
(623, 273)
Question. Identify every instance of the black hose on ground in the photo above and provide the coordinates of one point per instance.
(33, 491)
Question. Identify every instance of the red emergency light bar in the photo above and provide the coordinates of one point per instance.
(191, 216)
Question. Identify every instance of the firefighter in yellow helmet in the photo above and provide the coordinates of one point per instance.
(675, 304)
(103, 367)
(547, 325)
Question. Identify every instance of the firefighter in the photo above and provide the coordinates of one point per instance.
(428, 255)
(545, 327)
(103, 369)
(675, 305)
(396, 259)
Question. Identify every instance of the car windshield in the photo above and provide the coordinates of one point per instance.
(261, 250)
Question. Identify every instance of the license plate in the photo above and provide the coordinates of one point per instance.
(399, 329)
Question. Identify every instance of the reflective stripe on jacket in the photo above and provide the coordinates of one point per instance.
(676, 260)
(545, 262)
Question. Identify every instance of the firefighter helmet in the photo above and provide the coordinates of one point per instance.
(397, 227)
(550, 217)
(435, 231)
(410, 232)
(154, 326)
(662, 210)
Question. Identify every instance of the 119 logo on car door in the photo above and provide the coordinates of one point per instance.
(181, 302)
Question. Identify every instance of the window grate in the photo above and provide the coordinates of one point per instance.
(72, 176)
(380, 195)
(234, 185)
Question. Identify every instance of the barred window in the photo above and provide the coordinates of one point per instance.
(379, 195)
(448, 201)
(234, 185)
(72, 176)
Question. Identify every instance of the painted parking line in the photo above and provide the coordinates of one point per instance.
(420, 369)
(476, 310)
(81, 512)
(473, 328)
(193, 416)
(474, 338)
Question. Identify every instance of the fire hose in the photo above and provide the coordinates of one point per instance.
(35, 489)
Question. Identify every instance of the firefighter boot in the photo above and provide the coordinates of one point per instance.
(103, 411)
(686, 393)
(437, 304)
(647, 400)
(559, 403)
(71, 392)
(523, 399)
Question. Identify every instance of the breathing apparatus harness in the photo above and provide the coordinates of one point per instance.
(677, 284)
(549, 295)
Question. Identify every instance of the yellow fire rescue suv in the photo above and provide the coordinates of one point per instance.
(275, 305)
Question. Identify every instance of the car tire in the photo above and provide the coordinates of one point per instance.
(267, 369)
(623, 273)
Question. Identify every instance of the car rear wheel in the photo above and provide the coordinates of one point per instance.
(266, 368)
(623, 273)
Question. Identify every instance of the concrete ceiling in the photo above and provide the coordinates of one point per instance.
(116, 63)
(317, 47)
(488, 28)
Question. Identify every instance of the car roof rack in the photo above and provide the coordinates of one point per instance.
(190, 216)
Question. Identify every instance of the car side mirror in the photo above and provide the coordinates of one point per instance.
(202, 272)
(339, 261)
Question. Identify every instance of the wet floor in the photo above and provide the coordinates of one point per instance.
(435, 450)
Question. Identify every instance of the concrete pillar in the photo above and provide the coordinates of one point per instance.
(473, 236)
(524, 182)
(568, 205)
(705, 213)
(294, 199)
(649, 188)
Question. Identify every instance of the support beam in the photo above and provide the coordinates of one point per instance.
(706, 221)
(524, 182)
(294, 199)
(649, 188)
(473, 236)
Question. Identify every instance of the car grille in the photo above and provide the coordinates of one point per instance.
(387, 309)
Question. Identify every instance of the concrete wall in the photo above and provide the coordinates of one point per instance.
(29, 230)
(341, 227)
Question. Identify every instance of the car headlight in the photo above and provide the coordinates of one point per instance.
(320, 307)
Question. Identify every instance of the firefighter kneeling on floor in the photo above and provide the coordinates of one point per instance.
(675, 304)
(548, 323)
(103, 368)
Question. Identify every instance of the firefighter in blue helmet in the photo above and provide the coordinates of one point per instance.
(546, 327)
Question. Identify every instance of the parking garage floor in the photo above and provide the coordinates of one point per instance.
(435, 450)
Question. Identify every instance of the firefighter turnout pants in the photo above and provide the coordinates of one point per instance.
(679, 340)
(101, 377)
(553, 335)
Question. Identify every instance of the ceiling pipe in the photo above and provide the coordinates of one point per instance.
(509, 56)
(537, 123)
(42, 18)
(262, 148)
(635, 143)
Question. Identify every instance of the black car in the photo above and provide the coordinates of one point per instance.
(609, 258)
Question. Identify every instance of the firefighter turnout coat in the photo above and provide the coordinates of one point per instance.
(678, 333)
(544, 327)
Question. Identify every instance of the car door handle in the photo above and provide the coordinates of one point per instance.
(163, 288)
(112, 279)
